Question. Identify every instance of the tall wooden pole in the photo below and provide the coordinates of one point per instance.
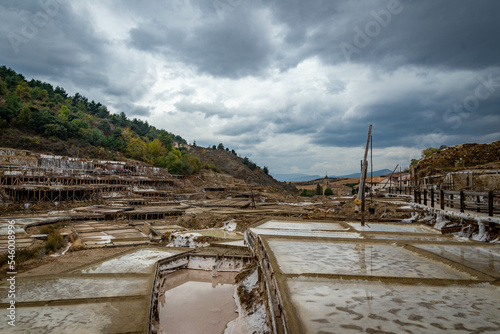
(361, 193)
(371, 170)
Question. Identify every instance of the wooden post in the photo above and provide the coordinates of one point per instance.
(425, 197)
(442, 199)
(462, 201)
(451, 200)
(361, 194)
(432, 197)
(490, 203)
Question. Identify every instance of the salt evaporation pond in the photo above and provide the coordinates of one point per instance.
(401, 228)
(75, 288)
(414, 238)
(141, 261)
(194, 302)
(118, 316)
(485, 259)
(333, 306)
(305, 233)
(296, 257)
(284, 225)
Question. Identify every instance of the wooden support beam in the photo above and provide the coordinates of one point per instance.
(490, 203)
(462, 201)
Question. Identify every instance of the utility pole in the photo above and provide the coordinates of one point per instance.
(361, 193)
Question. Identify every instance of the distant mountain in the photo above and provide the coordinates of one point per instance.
(375, 173)
(295, 177)
(306, 177)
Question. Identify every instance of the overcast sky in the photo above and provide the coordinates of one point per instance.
(291, 84)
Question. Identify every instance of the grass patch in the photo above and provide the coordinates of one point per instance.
(54, 241)
(22, 255)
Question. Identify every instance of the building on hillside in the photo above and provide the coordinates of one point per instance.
(379, 183)
(341, 190)
(399, 180)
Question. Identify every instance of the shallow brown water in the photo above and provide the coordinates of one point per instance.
(194, 302)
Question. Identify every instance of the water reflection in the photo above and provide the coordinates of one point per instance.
(192, 301)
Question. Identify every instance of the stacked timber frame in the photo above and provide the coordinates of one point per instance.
(37, 181)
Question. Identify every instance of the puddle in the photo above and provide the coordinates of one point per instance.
(195, 302)
(295, 257)
(333, 306)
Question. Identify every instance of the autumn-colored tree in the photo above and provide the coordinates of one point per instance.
(23, 91)
(136, 149)
(156, 149)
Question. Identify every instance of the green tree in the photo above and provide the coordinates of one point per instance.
(3, 87)
(220, 146)
(328, 192)
(266, 170)
(13, 102)
(63, 114)
(24, 116)
(429, 151)
(319, 190)
(105, 127)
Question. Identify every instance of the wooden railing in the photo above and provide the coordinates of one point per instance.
(478, 201)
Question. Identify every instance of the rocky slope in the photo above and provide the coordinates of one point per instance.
(463, 156)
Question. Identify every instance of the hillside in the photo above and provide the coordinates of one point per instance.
(463, 156)
(227, 162)
(38, 117)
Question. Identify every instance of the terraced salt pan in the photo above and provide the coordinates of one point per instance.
(141, 261)
(407, 228)
(276, 224)
(74, 288)
(124, 316)
(406, 237)
(306, 233)
(234, 243)
(485, 259)
(295, 257)
(333, 306)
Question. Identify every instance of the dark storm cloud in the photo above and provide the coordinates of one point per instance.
(393, 33)
(471, 116)
(208, 109)
(132, 110)
(235, 46)
(46, 39)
